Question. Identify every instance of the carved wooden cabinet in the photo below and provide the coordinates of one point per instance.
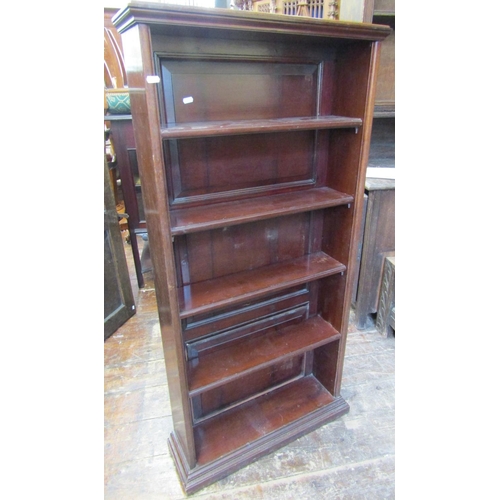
(252, 135)
(378, 242)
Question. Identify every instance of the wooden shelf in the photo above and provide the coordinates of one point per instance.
(241, 358)
(188, 220)
(242, 425)
(212, 294)
(217, 128)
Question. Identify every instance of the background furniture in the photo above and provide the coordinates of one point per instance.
(252, 136)
(386, 315)
(319, 9)
(119, 303)
(123, 141)
(378, 241)
(378, 230)
(115, 76)
(382, 149)
(122, 133)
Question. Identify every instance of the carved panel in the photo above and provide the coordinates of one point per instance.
(387, 299)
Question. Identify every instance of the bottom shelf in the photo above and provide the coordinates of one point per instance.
(233, 439)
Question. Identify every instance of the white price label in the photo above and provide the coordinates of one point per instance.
(153, 79)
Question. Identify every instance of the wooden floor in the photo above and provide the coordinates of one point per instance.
(351, 458)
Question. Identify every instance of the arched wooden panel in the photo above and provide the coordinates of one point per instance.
(113, 58)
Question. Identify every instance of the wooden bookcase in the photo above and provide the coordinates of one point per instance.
(252, 135)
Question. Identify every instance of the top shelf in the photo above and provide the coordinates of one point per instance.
(240, 127)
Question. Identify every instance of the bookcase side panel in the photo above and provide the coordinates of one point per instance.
(360, 63)
(144, 105)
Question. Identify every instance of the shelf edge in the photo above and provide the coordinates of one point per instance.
(180, 229)
(335, 335)
(245, 127)
(335, 268)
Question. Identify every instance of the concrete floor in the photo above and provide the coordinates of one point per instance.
(351, 458)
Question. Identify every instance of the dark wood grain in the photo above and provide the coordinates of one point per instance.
(209, 129)
(244, 247)
(221, 365)
(151, 170)
(233, 460)
(189, 220)
(207, 96)
(192, 19)
(247, 387)
(256, 327)
(211, 169)
(236, 428)
(213, 294)
(211, 323)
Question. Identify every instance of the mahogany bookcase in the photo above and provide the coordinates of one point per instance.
(252, 133)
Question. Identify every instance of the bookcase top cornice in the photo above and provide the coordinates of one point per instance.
(171, 16)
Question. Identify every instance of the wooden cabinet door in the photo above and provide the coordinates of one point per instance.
(118, 298)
